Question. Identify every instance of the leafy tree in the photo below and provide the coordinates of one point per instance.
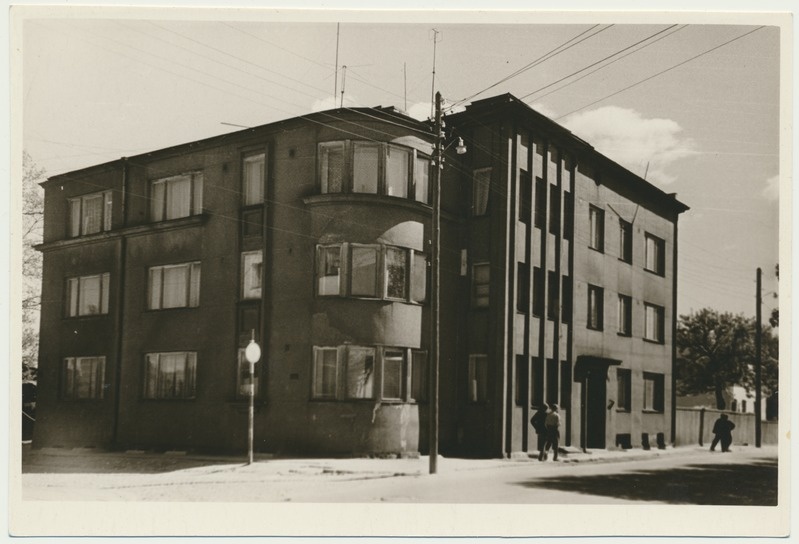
(32, 222)
(717, 350)
(774, 320)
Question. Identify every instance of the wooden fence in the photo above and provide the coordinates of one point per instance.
(695, 427)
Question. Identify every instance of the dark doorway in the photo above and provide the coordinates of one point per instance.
(595, 408)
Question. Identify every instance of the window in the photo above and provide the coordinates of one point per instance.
(624, 315)
(177, 196)
(552, 296)
(481, 278)
(419, 278)
(596, 218)
(655, 254)
(540, 202)
(565, 384)
(325, 372)
(251, 274)
(328, 271)
(393, 372)
(538, 381)
(364, 271)
(653, 323)
(254, 170)
(90, 214)
(174, 286)
(553, 383)
(522, 376)
(243, 379)
(366, 161)
(396, 273)
(419, 375)
(554, 211)
(478, 377)
(331, 163)
(170, 375)
(522, 287)
(360, 372)
(481, 188)
(88, 295)
(653, 392)
(568, 215)
(566, 300)
(249, 320)
(525, 197)
(83, 378)
(623, 389)
(595, 307)
(375, 271)
(398, 161)
(421, 179)
(625, 241)
(538, 292)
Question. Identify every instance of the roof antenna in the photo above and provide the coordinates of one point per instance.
(647, 169)
(343, 83)
(335, 84)
(433, 89)
(405, 83)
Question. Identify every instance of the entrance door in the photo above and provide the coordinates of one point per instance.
(595, 408)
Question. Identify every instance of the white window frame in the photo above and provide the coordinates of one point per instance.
(596, 232)
(328, 284)
(364, 386)
(401, 380)
(654, 325)
(655, 254)
(403, 185)
(189, 376)
(252, 263)
(75, 293)
(418, 375)
(324, 170)
(377, 272)
(77, 214)
(596, 308)
(193, 272)
(195, 205)
(624, 308)
(70, 388)
(318, 357)
(387, 283)
(250, 196)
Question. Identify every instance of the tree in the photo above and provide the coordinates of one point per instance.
(32, 222)
(717, 350)
(774, 320)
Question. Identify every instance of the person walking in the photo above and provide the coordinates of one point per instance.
(538, 422)
(722, 429)
(552, 431)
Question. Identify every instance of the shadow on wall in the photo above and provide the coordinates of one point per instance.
(752, 484)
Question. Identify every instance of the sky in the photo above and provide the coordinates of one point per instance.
(694, 108)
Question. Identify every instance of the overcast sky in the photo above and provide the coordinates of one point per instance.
(96, 90)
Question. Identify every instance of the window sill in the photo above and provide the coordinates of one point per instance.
(159, 310)
(656, 342)
(84, 317)
(655, 272)
(624, 334)
(598, 250)
(652, 411)
(623, 410)
(597, 329)
(626, 261)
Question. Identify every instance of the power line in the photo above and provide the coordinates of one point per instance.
(660, 73)
(603, 60)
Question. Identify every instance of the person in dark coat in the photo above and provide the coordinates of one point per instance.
(539, 425)
(552, 424)
(722, 429)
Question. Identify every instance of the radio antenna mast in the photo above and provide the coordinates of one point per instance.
(433, 88)
(335, 83)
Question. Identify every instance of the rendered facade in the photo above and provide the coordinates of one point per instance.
(558, 284)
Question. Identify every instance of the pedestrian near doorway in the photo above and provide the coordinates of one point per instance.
(538, 421)
(722, 429)
(552, 431)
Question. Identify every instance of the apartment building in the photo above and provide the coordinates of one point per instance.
(312, 235)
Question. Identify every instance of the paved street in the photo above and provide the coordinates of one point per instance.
(746, 476)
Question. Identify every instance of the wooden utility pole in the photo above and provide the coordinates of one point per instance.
(758, 359)
(435, 308)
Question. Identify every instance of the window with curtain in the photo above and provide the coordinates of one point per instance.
(481, 284)
(360, 372)
(396, 273)
(419, 278)
(624, 315)
(325, 372)
(176, 197)
(398, 161)
(174, 286)
(88, 295)
(623, 389)
(481, 188)
(596, 233)
(421, 178)
(595, 307)
(655, 254)
(625, 241)
(254, 173)
(328, 270)
(170, 375)
(83, 378)
(331, 165)
(653, 322)
(251, 274)
(90, 214)
(365, 168)
(364, 271)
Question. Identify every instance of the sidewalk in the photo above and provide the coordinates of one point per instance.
(91, 461)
